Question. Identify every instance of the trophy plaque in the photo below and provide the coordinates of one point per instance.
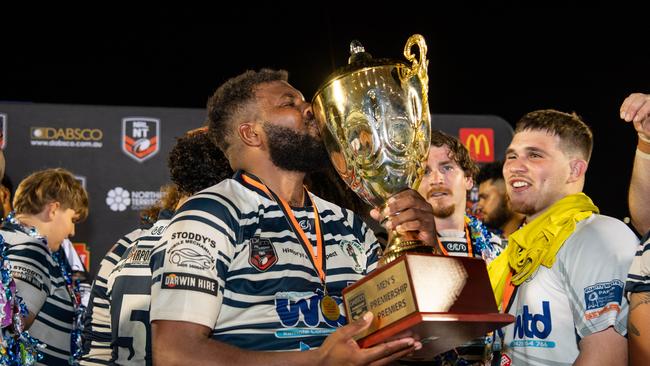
(373, 116)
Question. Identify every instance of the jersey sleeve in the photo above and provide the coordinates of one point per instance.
(595, 266)
(30, 268)
(97, 321)
(638, 279)
(190, 263)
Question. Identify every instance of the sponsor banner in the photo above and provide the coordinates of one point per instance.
(479, 142)
(140, 137)
(66, 137)
(119, 199)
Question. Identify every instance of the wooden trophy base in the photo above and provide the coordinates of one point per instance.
(444, 301)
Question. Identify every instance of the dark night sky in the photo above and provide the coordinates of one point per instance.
(502, 59)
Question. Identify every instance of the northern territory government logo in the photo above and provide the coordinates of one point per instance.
(140, 137)
(262, 253)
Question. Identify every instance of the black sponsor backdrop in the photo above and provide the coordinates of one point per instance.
(108, 167)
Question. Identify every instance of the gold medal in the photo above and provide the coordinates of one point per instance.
(330, 308)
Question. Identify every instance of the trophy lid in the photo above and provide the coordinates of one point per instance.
(359, 59)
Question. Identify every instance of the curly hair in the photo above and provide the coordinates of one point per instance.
(574, 134)
(489, 171)
(231, 99)
(51, 185)
(195, 163)
(170, 198)
(457, 152)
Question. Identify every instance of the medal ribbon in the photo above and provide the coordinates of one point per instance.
(316, 257)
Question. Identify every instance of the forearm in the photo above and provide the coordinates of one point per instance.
(640, 193)
(638, 329)
(171, 348)
(606, 348)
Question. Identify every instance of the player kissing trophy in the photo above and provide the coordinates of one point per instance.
(373, 115)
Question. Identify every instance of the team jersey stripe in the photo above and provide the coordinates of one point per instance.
(268, 290)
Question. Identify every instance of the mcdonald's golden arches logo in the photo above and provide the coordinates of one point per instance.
(479, 142)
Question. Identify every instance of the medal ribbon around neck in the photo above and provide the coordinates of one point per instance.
(316, 257)
(328, 305)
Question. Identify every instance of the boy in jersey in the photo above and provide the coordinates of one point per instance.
(47, 205)
(273, 258)
(636, 109)
(562, 274)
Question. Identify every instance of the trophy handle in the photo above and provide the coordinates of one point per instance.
(418, 65)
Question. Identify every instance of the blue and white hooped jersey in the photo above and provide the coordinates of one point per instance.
(40, 282)
(230, 253)
(97, 322)
(581, 294)
(129, 291)
(638, 280)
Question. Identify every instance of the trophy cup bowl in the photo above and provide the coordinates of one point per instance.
(374, 119)
(373, 116)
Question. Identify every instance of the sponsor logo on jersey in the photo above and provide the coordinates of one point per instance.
(505, 360)
(27, 275)
(140, 137)
(303, 309)
(188, 281)
(262, 253)
(193, 237)
(532, 330)
(354, 250)
(603, 297)
(139, 256)
(305, 224)
(456, 247)
(188, 257)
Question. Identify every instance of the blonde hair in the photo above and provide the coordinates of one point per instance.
(51, 185)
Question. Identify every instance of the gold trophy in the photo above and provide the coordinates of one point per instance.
(373, 116)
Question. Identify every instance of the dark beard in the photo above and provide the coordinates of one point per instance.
(295, 151)
(499, 216)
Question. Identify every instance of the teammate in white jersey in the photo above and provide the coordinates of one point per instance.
(448, 176)
(48, 203)
(229, 246)
(636, 109)
(562, 274)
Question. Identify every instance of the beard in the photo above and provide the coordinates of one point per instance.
(443, 211)
(499, 216)
(295, 151)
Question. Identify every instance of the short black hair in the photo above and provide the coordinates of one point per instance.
(489, 171)
(231, 98)
(195, 163)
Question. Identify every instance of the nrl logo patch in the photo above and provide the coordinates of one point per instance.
(354, 250)
(262, 253)
(140, 137)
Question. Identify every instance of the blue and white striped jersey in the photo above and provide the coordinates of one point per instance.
(97, 323)
(41, 285)
(129, 289)
(230, 253)
(638, 280)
